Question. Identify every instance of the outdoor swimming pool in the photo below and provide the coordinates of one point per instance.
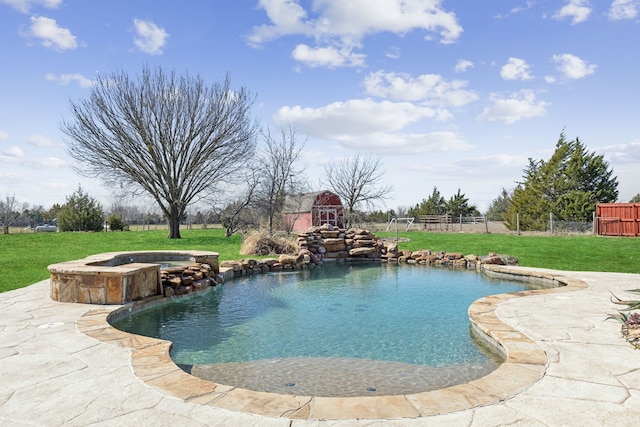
(337, 330)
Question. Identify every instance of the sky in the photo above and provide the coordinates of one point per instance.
(447, 94)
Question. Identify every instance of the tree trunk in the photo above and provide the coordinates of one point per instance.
(6, 229)
(174, 223)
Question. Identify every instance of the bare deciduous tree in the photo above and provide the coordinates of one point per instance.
(175, 138)
(276, 164)
(8, 212)
(358, 181)
(239, 214)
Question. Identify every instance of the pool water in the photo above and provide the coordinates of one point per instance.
(337, 330)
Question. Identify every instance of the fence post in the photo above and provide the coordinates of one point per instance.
(397, 238)
(593, 224)
(518, 224)
(551, 222)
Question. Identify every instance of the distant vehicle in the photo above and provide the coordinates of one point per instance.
(46, 228)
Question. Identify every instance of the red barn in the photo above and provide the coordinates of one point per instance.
(313, 209)
(618, 219)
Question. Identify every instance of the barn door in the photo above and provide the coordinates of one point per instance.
(328, 216)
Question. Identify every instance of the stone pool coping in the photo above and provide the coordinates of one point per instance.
(525, 364)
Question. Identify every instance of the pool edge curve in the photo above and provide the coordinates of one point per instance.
(525, 364)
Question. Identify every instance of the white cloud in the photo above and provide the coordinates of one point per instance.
(430, 89)
(24, 6)
(393, 52)
(519, 106)
(3, 136)
(13, 152)
(529, 4)
(15, 156)
(151, 38)
(404, 144)
(353, 117)
(40, 140)
(330, 57)
(577, 10)
(51, 35)
(623, 9)
(66, 79)
(463, 65)
(287, 17)
(345, 24)
(365, 124)
(624, 153)
(490, 162)
(516, 69)
(48, 162)
(572, 66)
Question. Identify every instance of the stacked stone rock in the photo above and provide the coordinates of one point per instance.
(391, 254)
(316, 246)
(330, 243)
(184, 280)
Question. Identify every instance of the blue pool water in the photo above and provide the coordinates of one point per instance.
(391, 317)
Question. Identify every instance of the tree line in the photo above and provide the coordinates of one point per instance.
(183, 142)
(568, 185)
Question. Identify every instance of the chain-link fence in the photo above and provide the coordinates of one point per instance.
(562, 227)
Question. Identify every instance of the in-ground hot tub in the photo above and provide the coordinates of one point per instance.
(117, 277)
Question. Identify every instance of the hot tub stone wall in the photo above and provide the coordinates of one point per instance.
(121, 277)
(88, 285)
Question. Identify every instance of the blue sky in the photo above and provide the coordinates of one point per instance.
(447, 94)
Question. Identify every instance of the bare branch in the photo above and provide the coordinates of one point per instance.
(173, 137)
(358, 181)
(276, 162)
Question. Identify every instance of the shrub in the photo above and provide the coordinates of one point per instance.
(260, 243)
(115, 222)
(80, 213)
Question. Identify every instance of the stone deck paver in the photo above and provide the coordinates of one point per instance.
(53, 374)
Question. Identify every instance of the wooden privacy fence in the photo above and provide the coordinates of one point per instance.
(618, 219)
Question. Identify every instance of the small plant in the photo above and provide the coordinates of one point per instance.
(619, 316)
(630, 321)
(631, 304)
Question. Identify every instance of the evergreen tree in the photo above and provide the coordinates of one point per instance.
(434, 205)
(568, 185)
(499, 206)
(80, 213)
(458, 205)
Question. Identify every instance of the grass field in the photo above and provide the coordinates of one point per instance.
(571, 252)
(24, 257)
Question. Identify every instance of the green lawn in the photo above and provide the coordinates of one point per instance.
(575, 252)
(24, 257)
